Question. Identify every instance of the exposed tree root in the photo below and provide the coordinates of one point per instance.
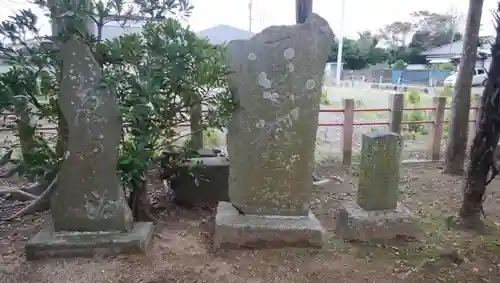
(18, 193)
(7, 173)
(324, 182)
(36, 188)
(30, 192)
(39, 202)
(140, 204)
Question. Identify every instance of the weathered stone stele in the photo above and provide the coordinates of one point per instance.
(276, 83)
(376, 214)
(89, 197)
(379, 171)
(89, 211)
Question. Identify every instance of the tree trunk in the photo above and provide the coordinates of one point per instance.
(303, 9)
(26, 132)
(139, 201)
(196, 125)
(457, 140)
(482, 156)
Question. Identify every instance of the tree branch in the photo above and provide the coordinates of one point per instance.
(18, 191)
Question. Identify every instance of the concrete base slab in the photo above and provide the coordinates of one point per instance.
(76, 244)
(234, 230)
(355, 223)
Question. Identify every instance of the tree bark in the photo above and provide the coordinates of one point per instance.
(196, 116)
(482, 167)
(139, 201)
(26, 132)
(457, 140)
(303, 9)
(40, 203)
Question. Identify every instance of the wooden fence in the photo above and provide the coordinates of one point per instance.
(395, 122)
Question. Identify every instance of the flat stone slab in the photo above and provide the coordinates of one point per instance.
(87, 244)
(235, 230)
(355, 223)
(209, 183)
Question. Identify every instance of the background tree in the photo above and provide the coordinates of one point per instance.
(433, 29)
(398, 65)
(400, 40)
(368, 44)
(483, 167)
(396, 34)
(360, 53)
(458, 130)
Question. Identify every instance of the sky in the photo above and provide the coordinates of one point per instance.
(359, 14)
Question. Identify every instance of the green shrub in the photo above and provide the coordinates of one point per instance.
(399, 65)
(211, 137)
(324, 98)
(412, 100)
(447, 92)
(444, 66)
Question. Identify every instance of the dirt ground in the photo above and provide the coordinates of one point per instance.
(182, 248)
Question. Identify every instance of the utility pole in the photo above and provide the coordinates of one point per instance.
(250, 15)
(303, 9)
(341, 43)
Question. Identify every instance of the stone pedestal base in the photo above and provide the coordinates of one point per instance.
(75, 244)
(234, 230)
(355, 223)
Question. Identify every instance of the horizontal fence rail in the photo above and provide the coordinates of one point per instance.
(395, 122)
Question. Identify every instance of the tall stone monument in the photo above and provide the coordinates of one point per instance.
(376, 214)
(89, 210)
(276, 83)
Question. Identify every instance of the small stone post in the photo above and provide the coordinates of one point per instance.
(376, 214)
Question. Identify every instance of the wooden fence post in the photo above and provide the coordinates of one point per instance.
(476, 102)
(347, 131)
(436, 134)
(396, 116)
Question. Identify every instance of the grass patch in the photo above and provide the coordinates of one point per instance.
(439, 250)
